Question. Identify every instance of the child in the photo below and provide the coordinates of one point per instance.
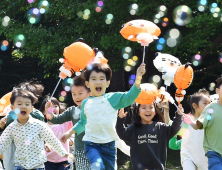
(210, 120)
(54, 161)
(99, 115)
(192, 152)
(148, 136)
(79, 93)
(37, 89)
(27, 133)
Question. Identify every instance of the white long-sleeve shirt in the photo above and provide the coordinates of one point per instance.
(28, 139)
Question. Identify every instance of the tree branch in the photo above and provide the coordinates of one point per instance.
(204, 70)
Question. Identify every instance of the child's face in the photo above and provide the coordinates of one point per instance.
(204, 101)
(219, 91)
(147, 112)
(25, 107)
(79, 93)
(55, 109)
(97, 83)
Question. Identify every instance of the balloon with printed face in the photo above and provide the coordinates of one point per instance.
(167, 65)
(142, 31)
(4, 102)
(148, 94)
(182, 80)
(214, 98)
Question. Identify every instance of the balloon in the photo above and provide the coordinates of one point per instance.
(148, 94)
(99, 58)
(4, 102)
(77, 56)
(182, 80)
(167, 64)
(164, 96)
(214, 98)
(142, 31)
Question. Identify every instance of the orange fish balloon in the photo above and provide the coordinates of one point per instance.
(142, 31)
(4, 102)
(182, 80)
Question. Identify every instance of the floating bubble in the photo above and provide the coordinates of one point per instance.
(3, 48)
(130, 61)
(212, 84)
(201, 8)
(128, 49)
(220, 60)
(132, 12)
(134, 6)
(174, 33)
(6, 19)
(98, 9)
(67, 88)
(108, 21)
(43, 152)
(135, 58)
(164, 24)
(197, 57)
(87, 11)
(109, 16)
(50, 109)
(27, 142)
(133, 63)
(125, 56)
(43, 6)
(34, 15)
(159, 47)
(5, 24)
(63, 93)
(209, 117)
(156, 79)
(131, 82)
(163, 8)
(195, 63)
(133, 76)
(182, 15)
(80, 14)
(127, 68)
(30, 1)
(161, 13)
(5, 43)
(162, 40)
(89, 67)
(171, 42)
(156, 21)
(211, 110)
(61, 98)
(214, 5)
(17, 111)
(100, 3)
(203, 2)
(85, 16)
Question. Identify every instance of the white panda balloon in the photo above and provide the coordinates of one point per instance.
(167, 64)
(214, 98)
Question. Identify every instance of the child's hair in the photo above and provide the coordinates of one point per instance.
(62, 106)
(219, 82)
(18, 92)
(137, 119)
(33, 86)
(98, 67)
(80, 81)
(196, 97)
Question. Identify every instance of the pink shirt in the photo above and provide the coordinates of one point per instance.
(59, 130)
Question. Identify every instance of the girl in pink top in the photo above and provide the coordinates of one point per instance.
(54, 161)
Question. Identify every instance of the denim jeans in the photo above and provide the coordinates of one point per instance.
(214, 161)
(101, 156)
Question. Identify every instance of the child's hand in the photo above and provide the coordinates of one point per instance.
(67, 135)
(48, 110)
(3, 122)
(121, 113)
(164, 105)
(47, 148)
(140, 71)
(188, 119)
(181, 110)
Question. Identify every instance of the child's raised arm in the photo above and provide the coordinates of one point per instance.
(195, 124)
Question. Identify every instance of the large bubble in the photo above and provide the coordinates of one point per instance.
(182, 15)
(34, 15)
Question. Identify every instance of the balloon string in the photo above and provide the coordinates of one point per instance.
(144, 53)
(178, 109)
(55, 89)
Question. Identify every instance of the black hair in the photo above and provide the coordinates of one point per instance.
(137, 119)
(98, 67)
(33, 86)
(62, 106)
(195, 98)
(80, 81)
(18, 92)
(219, 82)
